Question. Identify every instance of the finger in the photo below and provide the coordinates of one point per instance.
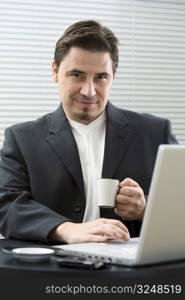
(128, 204)
(127, 191)
(107, 230)
(111, 231)
(124, 200)
(125, 207)
(126, 210)
(126, 215)
(98, 238)
(128, 182)
(111, 228)
(130, 193)
(117, 223)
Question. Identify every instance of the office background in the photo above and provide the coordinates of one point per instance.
(151, 74)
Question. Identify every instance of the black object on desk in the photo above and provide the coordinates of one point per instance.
(76, 262)
(25, 280)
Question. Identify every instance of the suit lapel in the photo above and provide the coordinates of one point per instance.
(118, 136)
(62, 141)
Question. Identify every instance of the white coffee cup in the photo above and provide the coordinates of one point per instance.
(107, 189)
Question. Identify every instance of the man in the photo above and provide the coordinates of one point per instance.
(49, 167)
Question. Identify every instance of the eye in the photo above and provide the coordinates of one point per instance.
(76, 75)
(101, 76)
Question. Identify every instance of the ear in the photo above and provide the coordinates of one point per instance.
(54, 71)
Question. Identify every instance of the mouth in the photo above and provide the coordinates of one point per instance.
(86, 102)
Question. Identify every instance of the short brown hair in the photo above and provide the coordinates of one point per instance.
(88, 35)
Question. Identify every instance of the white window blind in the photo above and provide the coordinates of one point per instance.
(151, 75)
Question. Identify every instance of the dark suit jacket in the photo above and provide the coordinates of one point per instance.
(41, 183)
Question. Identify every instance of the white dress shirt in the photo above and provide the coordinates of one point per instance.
(90, 140)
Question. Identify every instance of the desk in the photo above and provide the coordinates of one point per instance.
(37, 281)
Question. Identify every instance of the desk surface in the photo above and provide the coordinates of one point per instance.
(21, 274)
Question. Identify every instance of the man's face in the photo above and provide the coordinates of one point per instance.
(84, 80)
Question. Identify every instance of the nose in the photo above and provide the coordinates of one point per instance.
(88, 89)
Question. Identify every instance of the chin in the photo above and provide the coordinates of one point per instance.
(83, 117)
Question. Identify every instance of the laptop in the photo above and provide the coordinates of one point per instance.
(162, 236)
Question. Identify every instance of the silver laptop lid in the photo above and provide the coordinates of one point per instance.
(163, 229)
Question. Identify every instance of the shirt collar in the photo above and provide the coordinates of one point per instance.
(86, 128)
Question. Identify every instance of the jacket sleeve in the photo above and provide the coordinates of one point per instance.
(170, 138)
(21, 217)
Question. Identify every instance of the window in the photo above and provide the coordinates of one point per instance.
(151, 73)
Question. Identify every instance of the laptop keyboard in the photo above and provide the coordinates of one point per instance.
(128, 250)
(117, 248)
(114, 249)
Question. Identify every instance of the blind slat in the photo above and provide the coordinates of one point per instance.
(151, 71)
